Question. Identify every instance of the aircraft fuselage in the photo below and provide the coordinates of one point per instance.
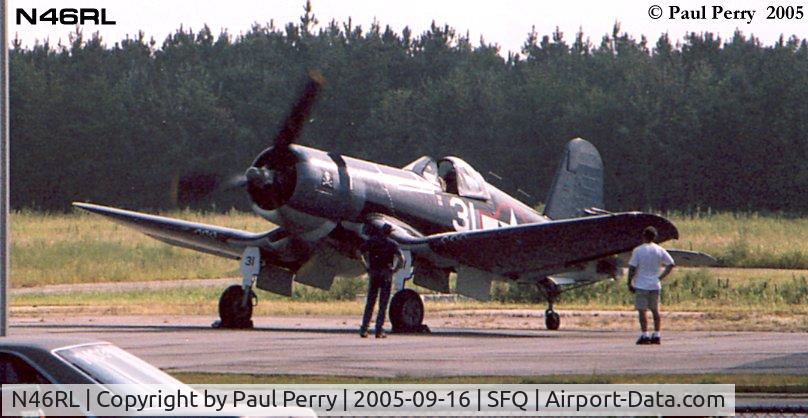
(332, 190)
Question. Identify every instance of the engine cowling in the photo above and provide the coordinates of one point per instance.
(272, 178)
(306, 190)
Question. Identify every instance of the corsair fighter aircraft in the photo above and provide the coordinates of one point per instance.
(445, 216)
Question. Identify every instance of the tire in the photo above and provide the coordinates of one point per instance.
(407, 311)
(231, 311)
(552, 320)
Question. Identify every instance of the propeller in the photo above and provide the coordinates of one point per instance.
(271, 179)
(235, 181)
(262, 174)
(194, 187)
(294, 122)
(278, 154)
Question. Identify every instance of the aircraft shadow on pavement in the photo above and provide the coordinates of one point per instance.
(159, 328)
(436, 333)
(792, 363)
(83, 328)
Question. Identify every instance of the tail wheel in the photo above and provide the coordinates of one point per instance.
(232, 311)
(407, 311)
(552, 320)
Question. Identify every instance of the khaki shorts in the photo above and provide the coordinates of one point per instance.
(646, 300)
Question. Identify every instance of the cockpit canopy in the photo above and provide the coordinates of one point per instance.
(452, 175)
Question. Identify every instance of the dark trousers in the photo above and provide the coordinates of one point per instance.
(380, 283)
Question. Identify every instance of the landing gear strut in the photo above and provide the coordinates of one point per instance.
(551, 291)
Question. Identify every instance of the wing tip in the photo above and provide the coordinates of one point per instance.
(666, 230)
(82, 205)
(101, 209)
(88, 206)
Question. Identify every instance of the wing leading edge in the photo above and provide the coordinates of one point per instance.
(224, 242)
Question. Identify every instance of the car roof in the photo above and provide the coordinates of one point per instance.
(43, 343)
(38, 351)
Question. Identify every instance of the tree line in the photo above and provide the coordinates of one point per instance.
(703, 122)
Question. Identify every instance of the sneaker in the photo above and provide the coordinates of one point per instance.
(363, 333)
(381, 334)
(655, 340)
(643, 340)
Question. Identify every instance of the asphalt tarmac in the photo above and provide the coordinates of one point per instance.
(331, 346)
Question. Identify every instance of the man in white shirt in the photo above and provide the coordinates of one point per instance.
(644, 281)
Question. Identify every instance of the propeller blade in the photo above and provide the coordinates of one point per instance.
(293, 123)
(195, 187)
(236, 182)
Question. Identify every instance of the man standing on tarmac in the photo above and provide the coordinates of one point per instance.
(381, 257)
(644, 281)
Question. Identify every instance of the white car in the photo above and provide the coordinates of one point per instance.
(62, 361)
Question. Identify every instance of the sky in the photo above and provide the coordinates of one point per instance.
(504, 22)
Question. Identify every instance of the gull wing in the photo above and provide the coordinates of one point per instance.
(216, 240)
(544, 247)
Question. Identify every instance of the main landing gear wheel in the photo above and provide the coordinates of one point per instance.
(233, 313)
(407, 312)
(552, 320)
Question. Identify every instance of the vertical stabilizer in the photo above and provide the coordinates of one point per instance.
(578, 183)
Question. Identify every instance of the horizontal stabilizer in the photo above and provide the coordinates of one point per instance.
(683, 258)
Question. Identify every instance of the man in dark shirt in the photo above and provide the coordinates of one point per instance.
(381, 257)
